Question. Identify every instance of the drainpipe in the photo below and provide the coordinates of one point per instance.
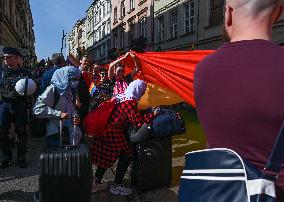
(153, 23)
(197, 24)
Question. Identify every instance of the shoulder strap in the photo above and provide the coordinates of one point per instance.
(56, 98)
(277, 155)
(26, 87)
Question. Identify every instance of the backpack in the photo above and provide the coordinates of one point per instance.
(97, 119)
(45, 82)
(38, 125)
(168, 123)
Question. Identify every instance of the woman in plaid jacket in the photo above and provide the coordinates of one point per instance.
(113, 144)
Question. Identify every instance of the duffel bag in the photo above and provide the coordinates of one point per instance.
(168, 123)
(223, 175)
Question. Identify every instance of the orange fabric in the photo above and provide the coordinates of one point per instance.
(173, 70)
(156, 95)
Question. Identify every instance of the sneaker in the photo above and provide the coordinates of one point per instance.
(120, 189)
(97, 187)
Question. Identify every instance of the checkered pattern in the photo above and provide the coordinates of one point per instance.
(107, 148)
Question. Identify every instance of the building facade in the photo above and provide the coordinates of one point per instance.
(102, 29)
(175, 23)
(77, 39)
(130, 20)
(194, 24)
(16, 27)
(90, 31)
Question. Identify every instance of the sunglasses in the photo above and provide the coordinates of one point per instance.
(7, 57)
(103, 73)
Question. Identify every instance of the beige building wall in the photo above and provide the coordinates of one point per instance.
(135, 20)
(175, 24)
(16, 26)
(206, 32)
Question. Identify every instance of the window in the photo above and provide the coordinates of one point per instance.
(122, 38)
(108, 27)
(115, 39)
(104, 10)
(131, 32)
(216, 13)
(161, 28)
(122, 11)
(100, 14)
(132, 4)
(188, 16)
(173, 24)
(115, 14)
(99, 33)
(103, 30)
(143, 27)
(95, 18)
(108, 6)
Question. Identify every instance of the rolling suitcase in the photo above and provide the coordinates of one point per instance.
(65, 173)
(152, 165)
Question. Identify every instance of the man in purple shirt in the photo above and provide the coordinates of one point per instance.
(239, 90)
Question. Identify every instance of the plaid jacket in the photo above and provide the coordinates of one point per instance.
(106, 149)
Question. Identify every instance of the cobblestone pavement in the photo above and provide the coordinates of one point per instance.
(20, 184)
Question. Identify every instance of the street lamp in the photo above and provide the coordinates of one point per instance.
(62, 41)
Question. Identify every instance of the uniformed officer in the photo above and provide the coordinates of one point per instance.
(13, 108)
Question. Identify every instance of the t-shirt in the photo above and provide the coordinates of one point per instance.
(239, 95)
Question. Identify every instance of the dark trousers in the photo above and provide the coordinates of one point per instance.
(13, 112)
(121, 169)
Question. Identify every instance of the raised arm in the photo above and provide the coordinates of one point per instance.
(137, 65)
(112, 66)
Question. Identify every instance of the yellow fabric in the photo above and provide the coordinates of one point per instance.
(155, 96)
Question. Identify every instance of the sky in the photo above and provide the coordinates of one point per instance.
(50, 18)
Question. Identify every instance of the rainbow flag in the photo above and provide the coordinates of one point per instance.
(92, 88)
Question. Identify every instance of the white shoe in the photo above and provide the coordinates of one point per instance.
(120, 189)
(97, 187)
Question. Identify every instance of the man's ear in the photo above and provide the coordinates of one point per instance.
(228, 16)
(279, 13)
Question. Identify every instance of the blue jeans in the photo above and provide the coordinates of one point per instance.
(16, 112)
(52, 140)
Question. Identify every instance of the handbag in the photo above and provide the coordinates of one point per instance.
(222, 175)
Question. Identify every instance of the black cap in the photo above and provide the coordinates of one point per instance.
(10, 50)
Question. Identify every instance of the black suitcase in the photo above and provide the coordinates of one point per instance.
(65, 174)
(152, 165)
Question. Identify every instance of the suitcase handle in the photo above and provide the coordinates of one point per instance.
(71, 135)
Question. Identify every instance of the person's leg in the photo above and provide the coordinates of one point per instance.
(97, 181)
(20, 117)
(52, 140)
(122, 166)
(5, 121)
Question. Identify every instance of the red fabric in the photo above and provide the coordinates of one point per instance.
(173, 70)
(95, 122)
(88, 77)
(106, 149)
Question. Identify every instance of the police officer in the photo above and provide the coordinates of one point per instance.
(13, 108)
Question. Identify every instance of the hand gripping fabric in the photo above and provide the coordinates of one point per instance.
(223, 175)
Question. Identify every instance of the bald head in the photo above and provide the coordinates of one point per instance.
(250, 19)
(254, 6)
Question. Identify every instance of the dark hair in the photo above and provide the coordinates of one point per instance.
(83, 56)
(58, 59)
(102, 69)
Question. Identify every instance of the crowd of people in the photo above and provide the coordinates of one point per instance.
(238, 94)
(64, 93)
